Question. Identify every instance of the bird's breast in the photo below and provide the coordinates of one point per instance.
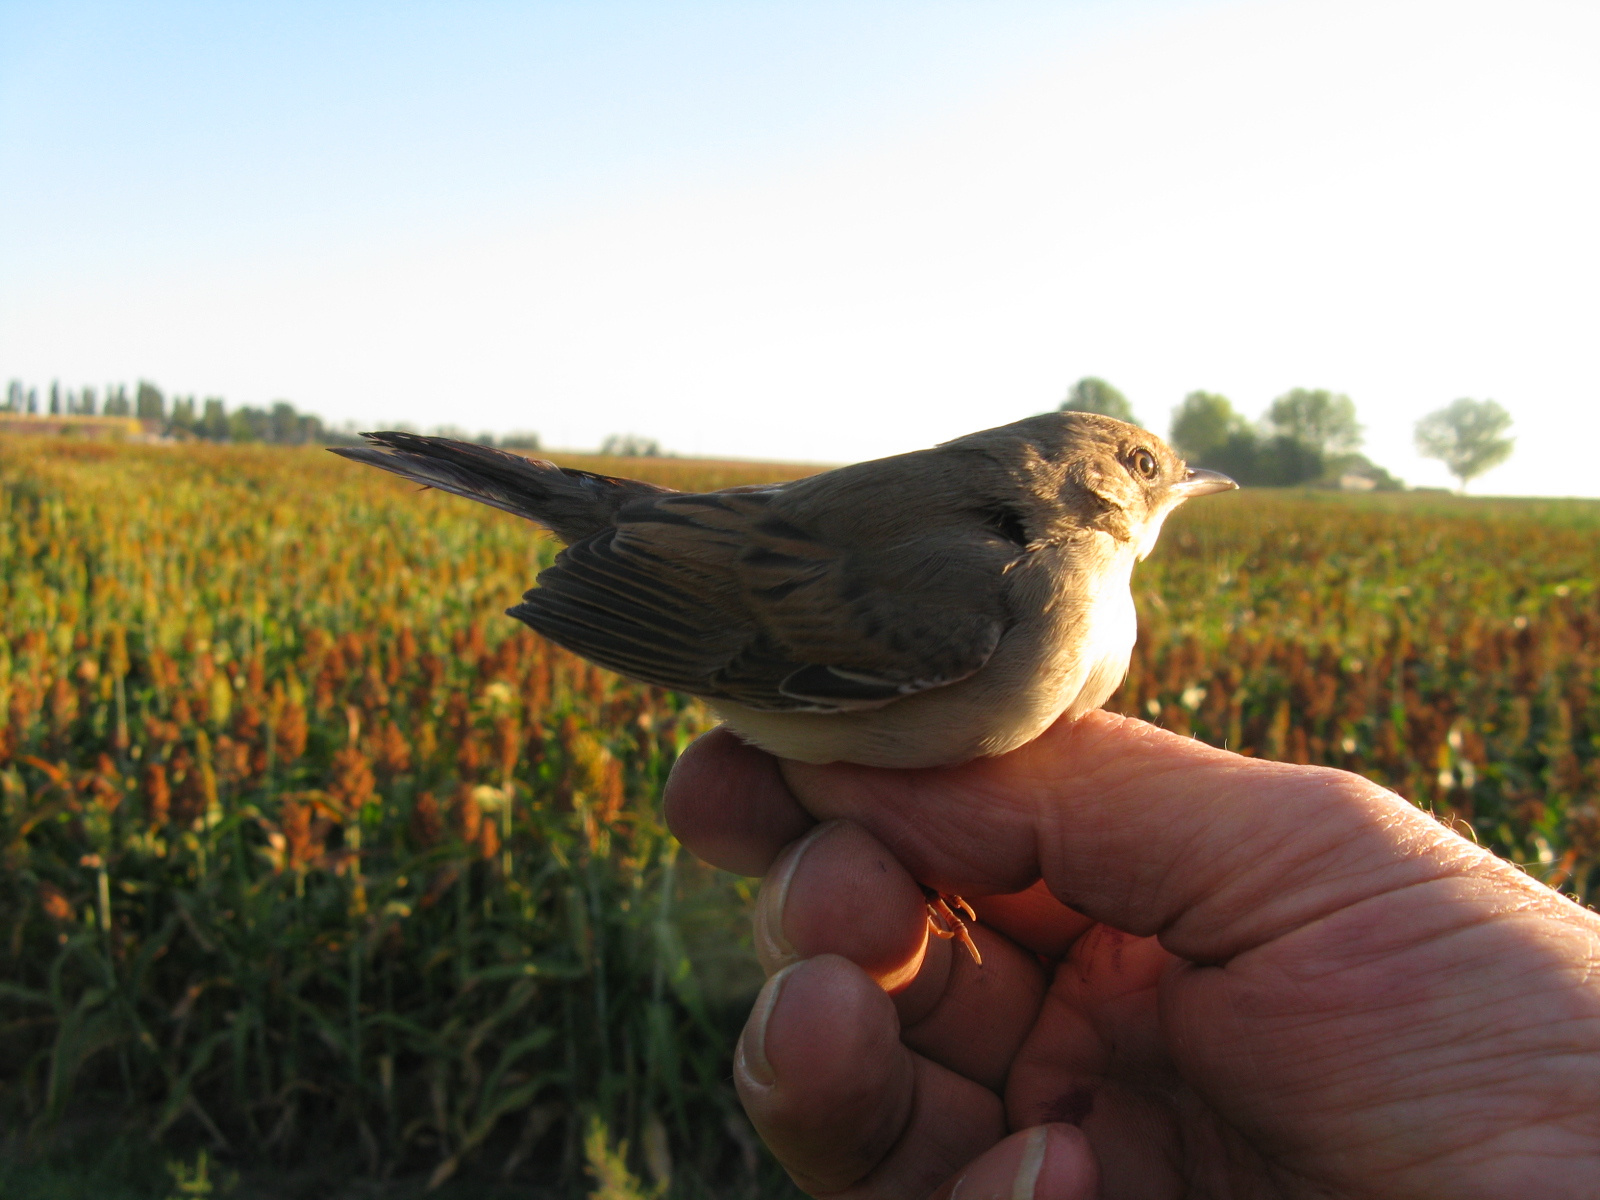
(1073, 651)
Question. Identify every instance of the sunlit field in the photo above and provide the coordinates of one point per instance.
(311, 854)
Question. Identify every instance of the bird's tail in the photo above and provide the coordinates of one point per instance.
(571, 504)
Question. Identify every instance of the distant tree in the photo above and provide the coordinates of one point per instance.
(1094, 395)
(1203, 423)
(1239, 458)
(280, 424)
(214, 420)
(185, 415)
(1257, 461)
(285, 424)
(631, 445)
(1324, 421)
(521, 441)
(246, 424)
(1286, 461)
(1209, 433)
(149, 404)
(1468, 436)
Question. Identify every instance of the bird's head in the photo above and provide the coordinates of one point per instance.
(1108, 475)
(1132, 476)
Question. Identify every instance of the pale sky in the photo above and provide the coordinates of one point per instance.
(813, 231)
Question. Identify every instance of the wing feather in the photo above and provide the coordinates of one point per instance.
(719, 596)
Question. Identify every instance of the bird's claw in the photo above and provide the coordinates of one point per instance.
(943, 922)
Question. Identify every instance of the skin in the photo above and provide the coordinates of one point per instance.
(1204, 976)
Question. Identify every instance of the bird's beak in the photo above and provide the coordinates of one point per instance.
(1198, 481)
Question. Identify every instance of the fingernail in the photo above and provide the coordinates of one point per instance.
(1032, 1163)
(750, 1059)
(773, 949)
(990, 1179)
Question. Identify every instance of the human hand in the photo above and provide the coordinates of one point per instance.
(1204, 975)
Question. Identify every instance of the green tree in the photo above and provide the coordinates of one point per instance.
(1209, 433)
(283, 423)
(1094, 395)
(1203, 424)
(247, 424)
(1256, 461)
(183, 413)
(630, 445)
(1468, 436)
(149, 404)
(1322, 420)
(214, 421)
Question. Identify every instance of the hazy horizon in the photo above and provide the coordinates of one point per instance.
(816, 233)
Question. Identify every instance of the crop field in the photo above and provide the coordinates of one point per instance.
(311, 854)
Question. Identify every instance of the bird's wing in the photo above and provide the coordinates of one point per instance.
(717, 595)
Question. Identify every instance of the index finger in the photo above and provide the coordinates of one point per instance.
(1146, 831)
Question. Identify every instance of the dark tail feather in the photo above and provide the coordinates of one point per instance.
(571, 504)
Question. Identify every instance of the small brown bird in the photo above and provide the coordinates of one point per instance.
(911, 611)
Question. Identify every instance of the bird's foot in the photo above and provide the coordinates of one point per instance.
(943, 922)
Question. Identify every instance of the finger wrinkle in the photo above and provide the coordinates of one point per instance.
(1306, 875)
(1341, 842)
(1482, 1139)
(1438, 941)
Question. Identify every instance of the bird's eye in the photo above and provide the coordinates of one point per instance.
(1144, 463)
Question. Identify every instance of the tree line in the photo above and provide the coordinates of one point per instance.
(185, 417)
(1309, 436)
(84, 402)
(210, 419)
